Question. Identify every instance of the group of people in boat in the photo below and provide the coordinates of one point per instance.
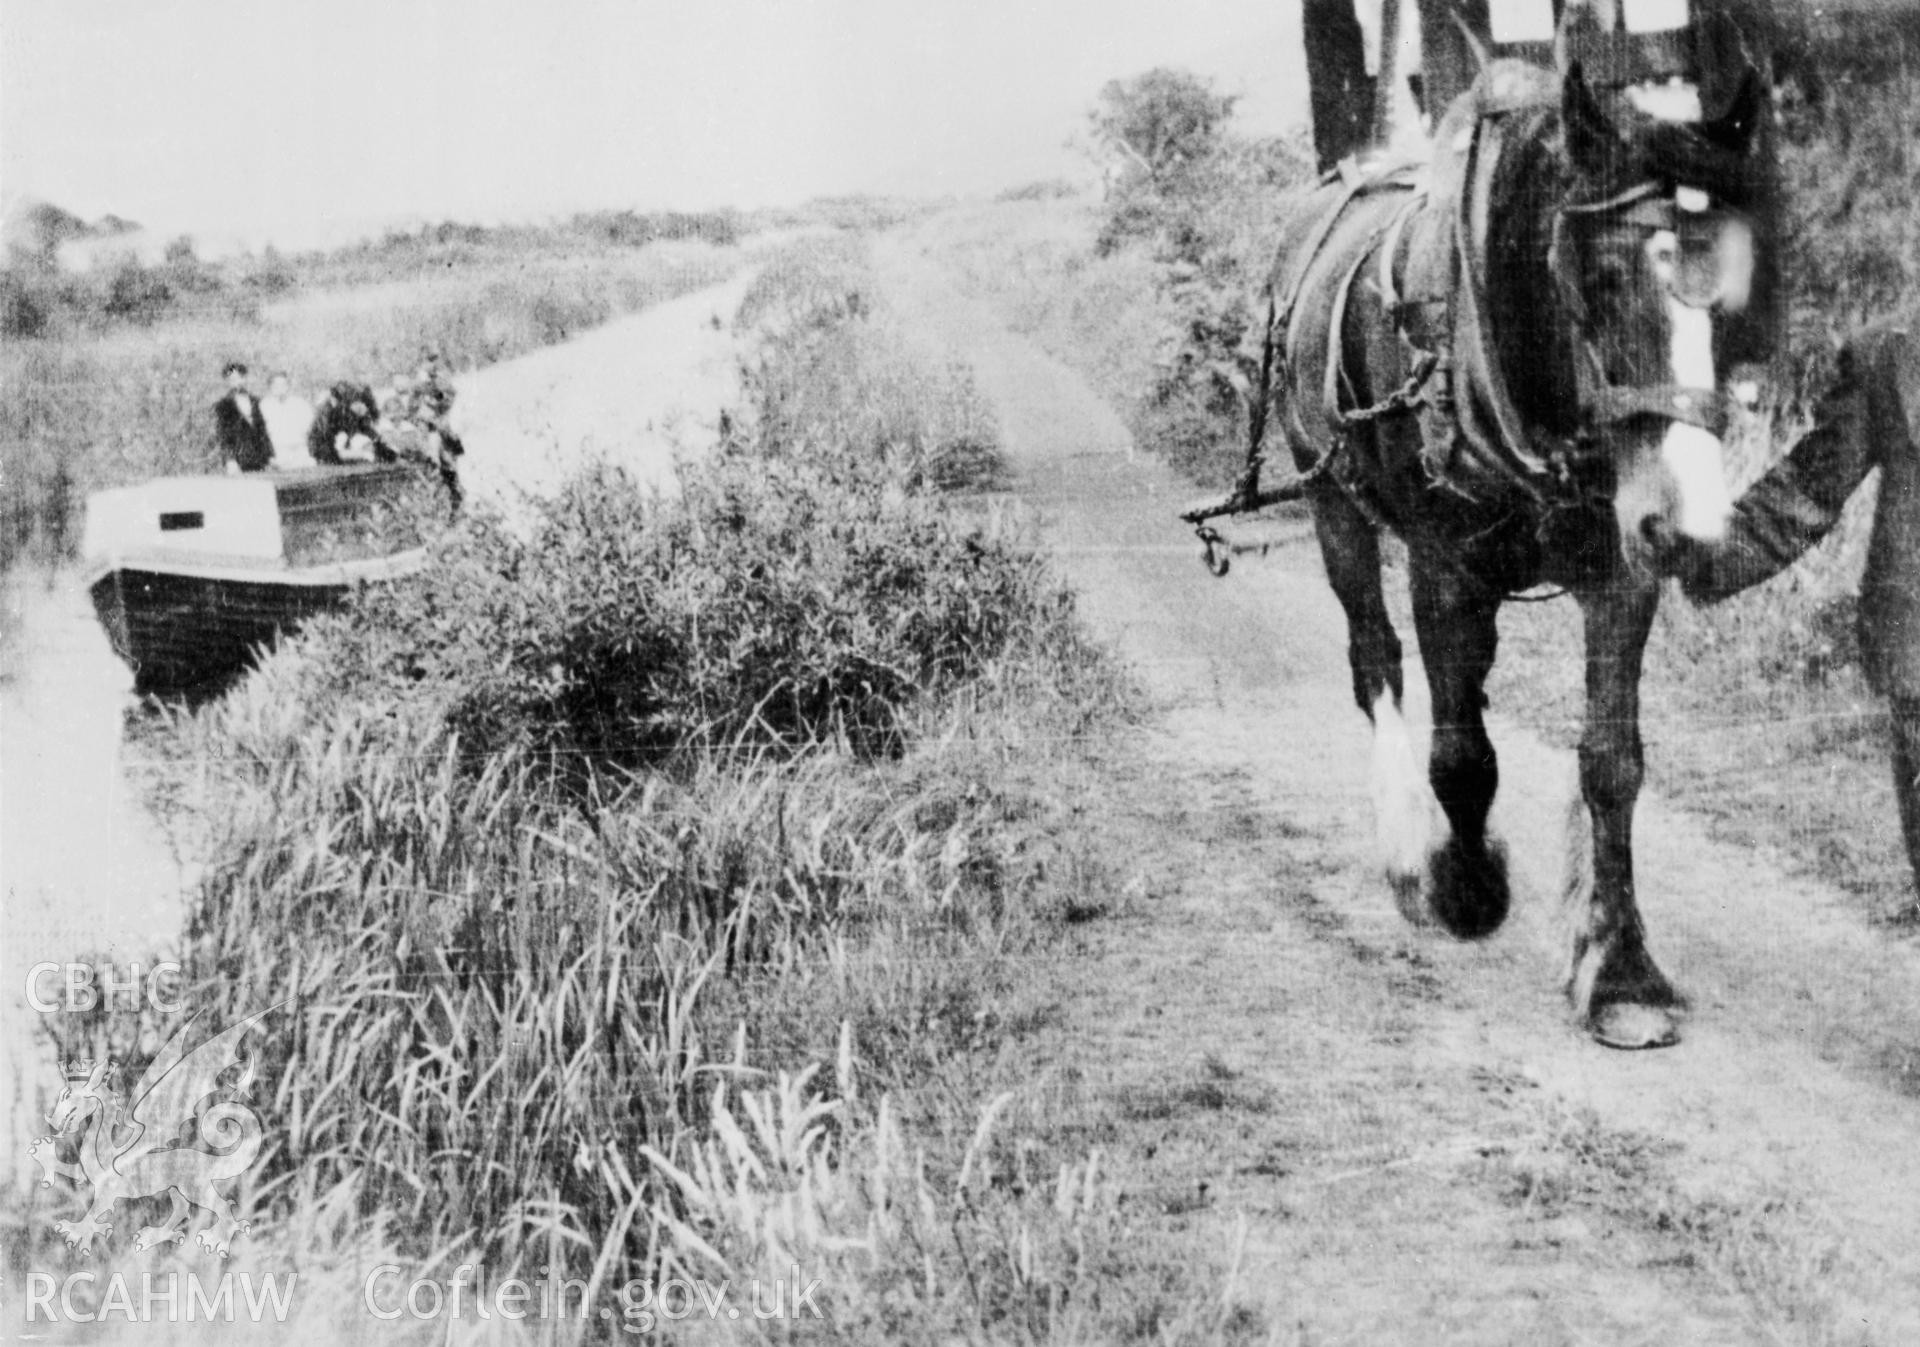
(348, 423)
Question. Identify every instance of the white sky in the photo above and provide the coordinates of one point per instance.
(298, 118)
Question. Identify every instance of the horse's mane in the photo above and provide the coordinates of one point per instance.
(1530, 331)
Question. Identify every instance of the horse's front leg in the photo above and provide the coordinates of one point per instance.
(1455, 616)
(1617, 989)
(1403, 806)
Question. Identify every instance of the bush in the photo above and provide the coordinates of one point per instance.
(272, 275)
(1205, 215)
(796, 591)
(26, 302)
(136, 293)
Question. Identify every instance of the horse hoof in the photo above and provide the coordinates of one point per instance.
(1470, 895)
(1630, 1026)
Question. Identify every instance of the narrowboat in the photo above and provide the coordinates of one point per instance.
(191, 576)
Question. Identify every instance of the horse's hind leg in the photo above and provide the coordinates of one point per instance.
(1456, 621)
(1403, 807)
(1617, 989)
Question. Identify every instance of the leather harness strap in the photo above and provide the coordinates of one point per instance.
(1283, 314)
(1602, 402)
(1485, 412)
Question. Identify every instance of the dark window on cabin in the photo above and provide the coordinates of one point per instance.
(182, 519)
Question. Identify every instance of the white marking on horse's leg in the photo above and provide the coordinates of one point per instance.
(1586, 973)
(1694, 456)
(1576, 898)
(1403, 803)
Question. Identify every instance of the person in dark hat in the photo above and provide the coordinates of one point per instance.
(239, 429)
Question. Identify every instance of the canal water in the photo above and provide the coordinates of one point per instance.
(86, 870)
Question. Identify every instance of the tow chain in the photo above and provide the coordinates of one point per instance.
(1247, 495)
(1406, 397)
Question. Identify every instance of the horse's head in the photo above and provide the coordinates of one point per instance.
(1647, 241)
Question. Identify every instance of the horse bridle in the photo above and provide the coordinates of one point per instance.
(1603, 404)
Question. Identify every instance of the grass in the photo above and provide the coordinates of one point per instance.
(1791, 1266)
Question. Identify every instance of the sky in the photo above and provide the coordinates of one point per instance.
(303, 120)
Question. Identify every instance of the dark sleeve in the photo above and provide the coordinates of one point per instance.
(320, 437)
(223, 426)
(1890, 588)
(1799, 499)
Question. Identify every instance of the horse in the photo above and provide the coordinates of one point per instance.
(1505, 358)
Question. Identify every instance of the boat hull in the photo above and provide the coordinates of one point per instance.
(190, 577)
(188, 630)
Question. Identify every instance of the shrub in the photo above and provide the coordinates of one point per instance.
(1205, 214)
(136, 293)
(792, 593)
(272, 275)
(26, 302)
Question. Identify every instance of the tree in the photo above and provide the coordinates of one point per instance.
(1160, 121)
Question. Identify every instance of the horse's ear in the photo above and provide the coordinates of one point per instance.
(1733, 129)
(1591, 140)
(1482, 58)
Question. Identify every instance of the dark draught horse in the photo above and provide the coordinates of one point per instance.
(1507, 360)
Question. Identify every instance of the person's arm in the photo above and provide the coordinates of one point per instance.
(322, 440)
(223, 416)
(263, 438)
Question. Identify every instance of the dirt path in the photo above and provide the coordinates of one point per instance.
(1404, 1137)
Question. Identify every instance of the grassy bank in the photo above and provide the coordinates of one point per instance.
(672, 889)
(92, 406)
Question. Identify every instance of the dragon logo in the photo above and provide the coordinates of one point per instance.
(128, 1150)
